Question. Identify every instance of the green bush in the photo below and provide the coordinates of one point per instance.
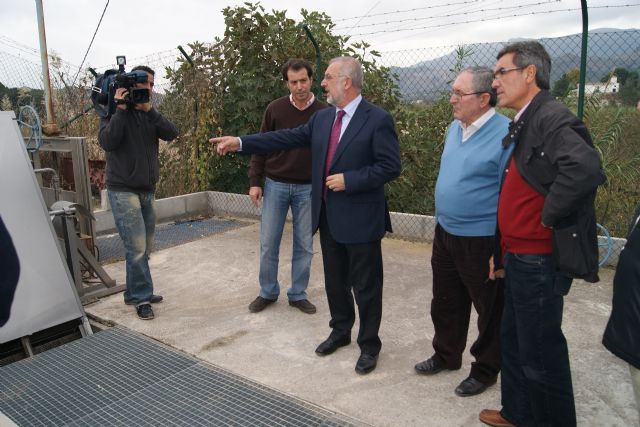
(421, 130)
(234, 79)
(615, 132)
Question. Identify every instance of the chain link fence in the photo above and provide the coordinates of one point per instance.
(422, 75)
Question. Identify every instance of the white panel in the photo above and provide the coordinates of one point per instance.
(45, 295)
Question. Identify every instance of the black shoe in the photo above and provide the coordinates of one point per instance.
(366, 363)
(330, 345)
(471, 387)
(145, 312)
(303, 305)
(154, 300)
(260, 304)
(429, 367)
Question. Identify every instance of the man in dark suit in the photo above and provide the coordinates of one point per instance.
(354, 153)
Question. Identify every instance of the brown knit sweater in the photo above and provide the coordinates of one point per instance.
(291, 166)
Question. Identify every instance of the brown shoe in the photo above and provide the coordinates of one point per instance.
(303, 305)
(260, 304)
(493, 418)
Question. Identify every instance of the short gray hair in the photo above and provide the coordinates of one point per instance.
(481, 80)
(352, 68)
(530, 52)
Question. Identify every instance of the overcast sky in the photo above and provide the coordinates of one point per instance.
(138, 28)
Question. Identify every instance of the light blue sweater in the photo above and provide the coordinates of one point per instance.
(469, 179)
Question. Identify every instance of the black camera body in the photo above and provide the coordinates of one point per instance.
(104, 89)
(128, 81)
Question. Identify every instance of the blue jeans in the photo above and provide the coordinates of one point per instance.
(135, 219)
(278, 197)
(536, 376)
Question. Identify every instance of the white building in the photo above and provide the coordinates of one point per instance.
(612, 86)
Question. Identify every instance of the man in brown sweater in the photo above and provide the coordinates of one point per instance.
(287, 183)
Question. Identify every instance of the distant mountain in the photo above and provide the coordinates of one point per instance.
(607, 49)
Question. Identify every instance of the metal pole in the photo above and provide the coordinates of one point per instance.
(316, 82)
(583, 58)
(196, 113)
(50, 128)
(187, 57)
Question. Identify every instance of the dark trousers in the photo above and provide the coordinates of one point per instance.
(460, 270)
(536, 376)
(353, 268)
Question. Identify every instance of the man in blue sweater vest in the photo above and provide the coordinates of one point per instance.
(466, 198)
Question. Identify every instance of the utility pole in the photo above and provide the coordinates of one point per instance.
(50, 128)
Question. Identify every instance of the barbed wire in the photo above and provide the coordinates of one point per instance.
(365, 15)
(31, 51)
(18, 72)
(407, 10)
(18, 46)
(472, 21)
(450, 15)
(460, 8)
(161, 55)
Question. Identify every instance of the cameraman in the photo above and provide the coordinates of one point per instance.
(130, 138)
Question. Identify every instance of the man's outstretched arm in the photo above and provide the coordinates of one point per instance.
(226, 144)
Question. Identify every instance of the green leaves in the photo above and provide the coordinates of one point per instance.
(235, 78)
(615, 130)
(421, 130)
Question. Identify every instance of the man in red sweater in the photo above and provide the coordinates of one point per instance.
(287, 183)
(547, 232)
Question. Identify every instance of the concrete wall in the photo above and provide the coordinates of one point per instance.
(168, 209)
(405, 226)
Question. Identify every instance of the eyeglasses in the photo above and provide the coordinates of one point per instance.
(330, 77)
(502, 71)
(458, 95)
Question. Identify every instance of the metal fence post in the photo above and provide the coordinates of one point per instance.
(316, 82)
(583, 58)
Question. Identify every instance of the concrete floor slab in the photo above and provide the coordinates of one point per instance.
(208, 284)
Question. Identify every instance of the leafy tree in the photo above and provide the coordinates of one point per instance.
(5, 104)
(630, 90)
(561, 87)
(621, 74)
(620, 161)
(421, 130)
(566, 84)
(234, 79)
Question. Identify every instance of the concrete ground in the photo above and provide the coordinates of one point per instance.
(208, 284)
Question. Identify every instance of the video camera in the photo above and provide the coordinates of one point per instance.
(104, 88)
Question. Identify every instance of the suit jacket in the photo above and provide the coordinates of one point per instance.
(368, 155)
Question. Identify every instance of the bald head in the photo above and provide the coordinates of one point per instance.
(342, 80)
(351, 68)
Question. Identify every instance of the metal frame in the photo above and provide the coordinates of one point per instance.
(77, 147)
(76, 250)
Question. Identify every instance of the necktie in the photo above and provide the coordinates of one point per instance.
(333, 145)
